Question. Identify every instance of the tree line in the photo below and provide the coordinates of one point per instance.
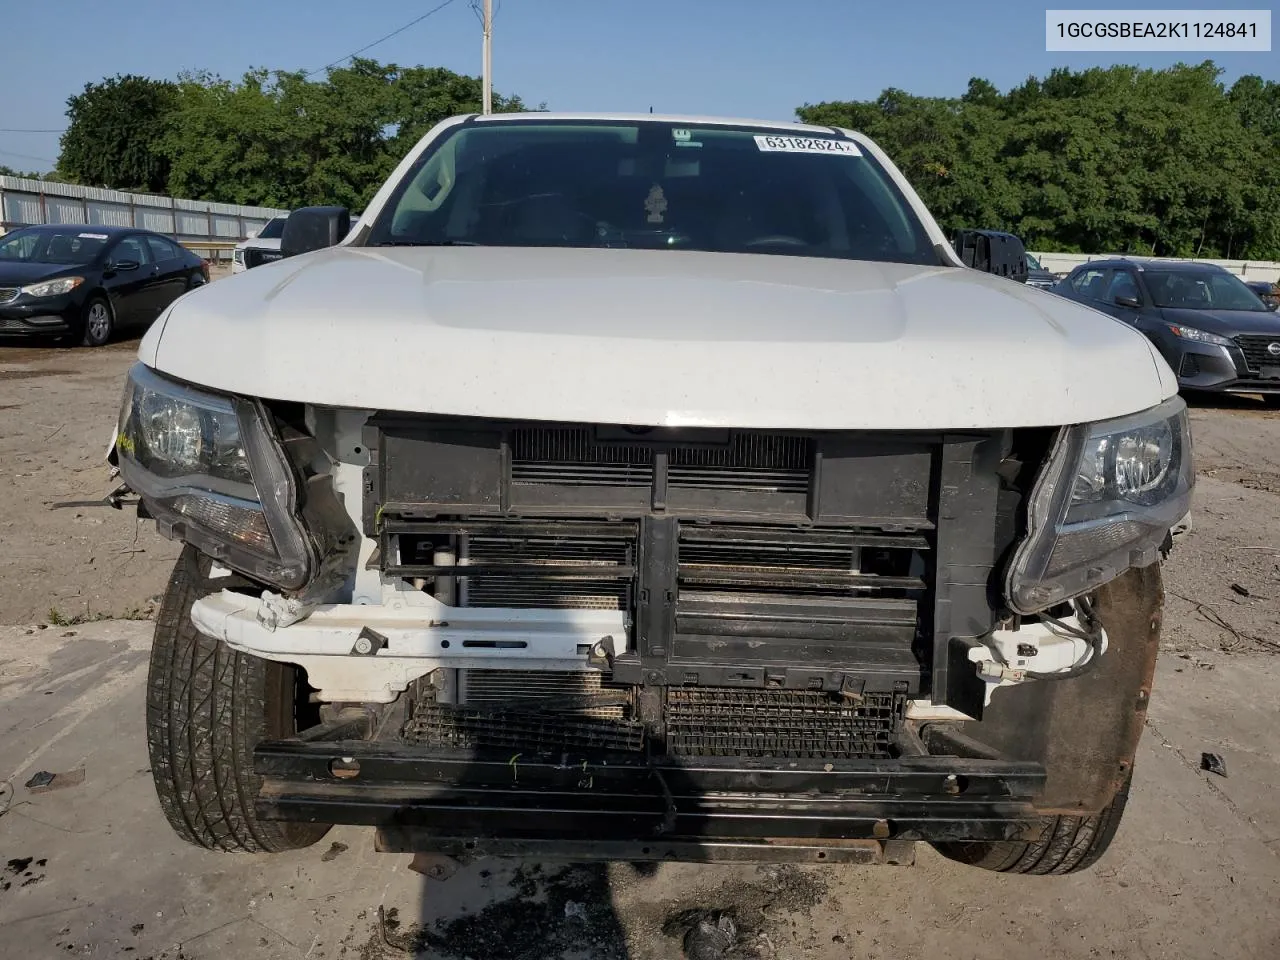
(1116, 160)
(1165, 162)
(272, 138)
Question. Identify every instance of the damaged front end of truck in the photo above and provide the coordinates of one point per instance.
(595, 641)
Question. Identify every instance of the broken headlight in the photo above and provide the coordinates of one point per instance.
(1105, 502)
(210, 470)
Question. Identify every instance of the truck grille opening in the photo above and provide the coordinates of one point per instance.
(750, 462)
(747, 461)
(571, 456)
(781, 723)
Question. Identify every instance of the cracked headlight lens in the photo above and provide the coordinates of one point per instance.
(1110, 493)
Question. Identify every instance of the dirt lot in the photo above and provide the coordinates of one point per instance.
(93, 871)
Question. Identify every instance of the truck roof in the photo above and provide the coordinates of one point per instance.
(692, 120)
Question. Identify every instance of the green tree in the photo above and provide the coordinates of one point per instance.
(1119, 159)
(113, 134)
(283, 139)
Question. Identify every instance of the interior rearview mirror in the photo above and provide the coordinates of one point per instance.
(314, 228)
(992, 251)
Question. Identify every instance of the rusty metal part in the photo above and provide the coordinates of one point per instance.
(867, 852)
(1085, 730)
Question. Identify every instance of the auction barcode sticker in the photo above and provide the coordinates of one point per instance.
(1143, 31)
(776, 144)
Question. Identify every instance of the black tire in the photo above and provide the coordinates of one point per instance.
(207, 708)
(1068, 844)
(97, 321)
(1272, 400)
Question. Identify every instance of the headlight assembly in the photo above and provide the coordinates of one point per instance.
(52, 288)
(1197, 336)
(211, 471)
(1104, 503)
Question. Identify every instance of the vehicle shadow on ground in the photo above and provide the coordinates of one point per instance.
(518, 910)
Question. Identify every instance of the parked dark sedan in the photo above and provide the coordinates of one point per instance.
(1215, 332)
(82, 283)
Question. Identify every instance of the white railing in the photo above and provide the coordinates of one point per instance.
(203, 226)
(1268, 270)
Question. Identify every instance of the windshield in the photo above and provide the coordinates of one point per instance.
(1201, 290)
(652, 185)
(274, 229)
(1033, 263)
(70, 246)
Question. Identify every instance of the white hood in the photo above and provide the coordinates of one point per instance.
(657, 337)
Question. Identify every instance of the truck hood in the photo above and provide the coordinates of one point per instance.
(674, 338)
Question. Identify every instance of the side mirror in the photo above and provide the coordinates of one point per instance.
(314, 228)
(992, 251)
(1132, 302)
(124, 266)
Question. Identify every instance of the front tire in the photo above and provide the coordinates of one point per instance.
(1272, 400)
(207, 708)
(98, 323)
(1067, 844)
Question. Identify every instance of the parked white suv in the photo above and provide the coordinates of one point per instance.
(260, 247)
(645, 488)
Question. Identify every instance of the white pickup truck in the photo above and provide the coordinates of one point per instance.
(646, 488)
(261, 246)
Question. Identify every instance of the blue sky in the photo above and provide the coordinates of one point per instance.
(752, 58)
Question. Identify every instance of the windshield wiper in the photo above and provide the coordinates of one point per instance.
(427, 243)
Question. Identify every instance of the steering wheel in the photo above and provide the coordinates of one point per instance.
(777, 240)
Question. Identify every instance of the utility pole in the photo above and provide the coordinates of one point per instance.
(487, 80)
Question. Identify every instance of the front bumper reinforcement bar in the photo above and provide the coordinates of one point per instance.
(620, 806)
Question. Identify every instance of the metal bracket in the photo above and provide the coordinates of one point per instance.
(368, 643)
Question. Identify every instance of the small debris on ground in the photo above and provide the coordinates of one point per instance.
(1213, 763)
(44, 781)
(711, 938)
(1242, 590)
(334, 851)
(574, 910)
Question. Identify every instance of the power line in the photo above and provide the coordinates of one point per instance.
(370, 46)
(24, 156)
(30, 130)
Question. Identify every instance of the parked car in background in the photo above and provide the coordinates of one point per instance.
(1038, 276)
(1214, 331)
(1268, 293)
(261, 247)
(82, 283)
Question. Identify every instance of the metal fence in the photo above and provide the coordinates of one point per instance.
(210, 229)
(1245, 269)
